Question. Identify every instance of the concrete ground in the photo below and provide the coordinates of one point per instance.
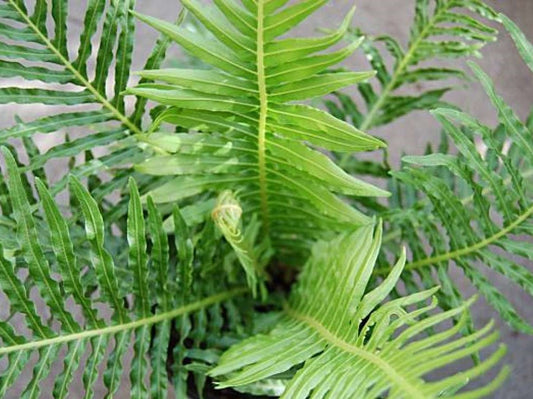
(410, 134)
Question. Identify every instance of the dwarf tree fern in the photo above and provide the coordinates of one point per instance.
(136, 283)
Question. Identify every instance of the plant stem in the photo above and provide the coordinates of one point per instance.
(465, 201)
(458, 253)
(468, 250)
(158, 318)
(263, 110)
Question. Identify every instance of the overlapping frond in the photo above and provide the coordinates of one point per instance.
(247, 134)
(480, 202)
(446, 29)
(342, 340)
(40, 67)
(96, 306)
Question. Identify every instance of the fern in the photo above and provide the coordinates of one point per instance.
(441, 29)
(152, 305)
(122, 291)
(250, 137)
(348, 344)
(525, 48)
(253, 258)
(496, 209)
(63, 79)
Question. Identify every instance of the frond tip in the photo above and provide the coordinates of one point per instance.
(345, 342)
(461, 22)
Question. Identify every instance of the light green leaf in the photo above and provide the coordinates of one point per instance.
(337, 351)
(321, 167)
(137, 258)
(203, 81)
(31, 249)
(317, 86)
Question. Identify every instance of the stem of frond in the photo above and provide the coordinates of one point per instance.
(369, 119)
(465, 201)
(263, 109)
(133, 325)
(467, 250)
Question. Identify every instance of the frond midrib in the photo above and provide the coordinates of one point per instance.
(263, 111)
(67, 64)
(114, 329)
(471, 248)
(465, 201)
(334, 340)
(465, 251)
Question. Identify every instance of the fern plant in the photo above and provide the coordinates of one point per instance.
(215, 239)
(465, 36)
(480, 202)
(469, 229)
(87, 99)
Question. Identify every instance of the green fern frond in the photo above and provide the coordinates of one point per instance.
(485, 227)
(525, 48)
(141, 302)
(343, 341)
(250, 137)
(89, 97)
(441, 29)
